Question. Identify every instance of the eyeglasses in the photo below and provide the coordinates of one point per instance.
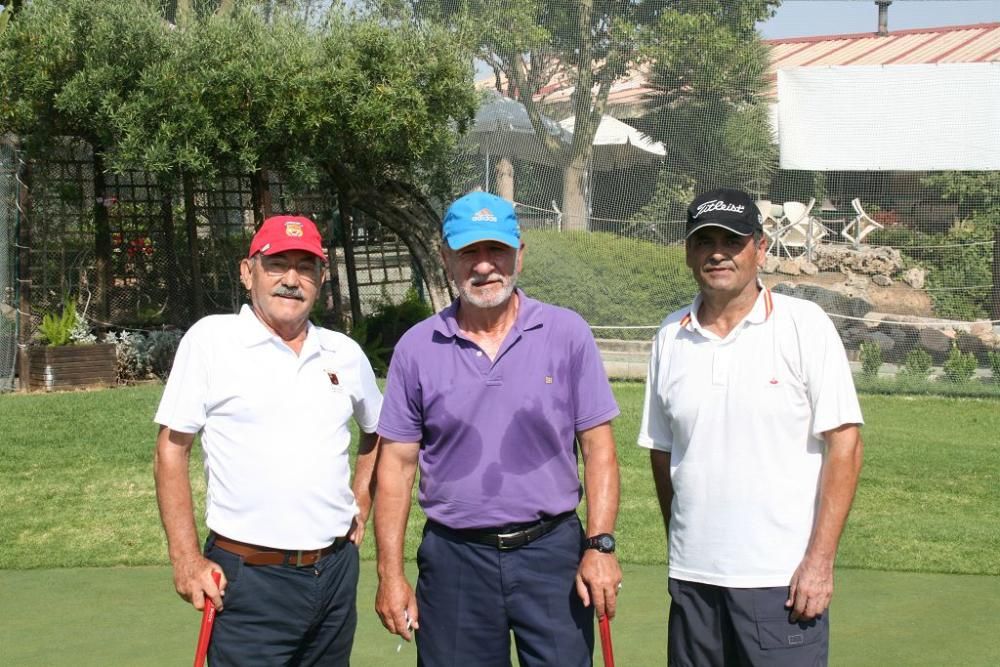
(276, 266)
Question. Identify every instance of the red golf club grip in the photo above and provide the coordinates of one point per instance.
(606, 648)
(207, 620)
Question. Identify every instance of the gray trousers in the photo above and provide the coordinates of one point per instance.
(713, 626)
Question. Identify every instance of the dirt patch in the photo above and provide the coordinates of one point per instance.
(898, 299)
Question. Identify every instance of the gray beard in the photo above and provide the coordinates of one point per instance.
(493, 302)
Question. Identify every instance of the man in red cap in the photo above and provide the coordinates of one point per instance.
(271, 396)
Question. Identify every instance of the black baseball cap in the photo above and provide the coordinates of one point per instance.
(734, 210)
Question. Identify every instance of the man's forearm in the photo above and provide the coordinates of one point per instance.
(660, 463)
(838, 482)
(364, 474)
(395, 472)
(173, 494)
(601, 479)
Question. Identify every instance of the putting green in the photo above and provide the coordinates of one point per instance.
(130, 616)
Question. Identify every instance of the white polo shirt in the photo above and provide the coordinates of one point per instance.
(743, 419)
(274, 427)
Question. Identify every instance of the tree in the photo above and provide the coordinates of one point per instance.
(977, 194)
(366, 108)
(588, 44)
(65, 68)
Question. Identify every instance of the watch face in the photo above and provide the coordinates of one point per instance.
(604, 543)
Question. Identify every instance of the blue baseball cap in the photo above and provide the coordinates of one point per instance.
(480, 216)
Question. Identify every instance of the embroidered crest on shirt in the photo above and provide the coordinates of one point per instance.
(334, 380)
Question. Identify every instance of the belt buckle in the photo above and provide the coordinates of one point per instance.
(502, 538)
(298, 558)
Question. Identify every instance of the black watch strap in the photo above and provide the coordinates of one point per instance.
(603, 542)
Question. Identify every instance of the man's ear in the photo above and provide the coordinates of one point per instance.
(246, 272)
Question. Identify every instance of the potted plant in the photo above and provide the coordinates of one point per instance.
(69, 355)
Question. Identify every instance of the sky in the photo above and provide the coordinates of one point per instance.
(801, 18)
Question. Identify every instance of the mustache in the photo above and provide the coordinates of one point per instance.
(481, 280)
(289, 292)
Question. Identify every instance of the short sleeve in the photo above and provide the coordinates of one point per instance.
(402, 412)
(828, 375)
(368, 401)
(183, 404)
(592, 395)
(654, 430)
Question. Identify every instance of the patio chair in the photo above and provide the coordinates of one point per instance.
(798, 229)
(768, 221)
(861, 226)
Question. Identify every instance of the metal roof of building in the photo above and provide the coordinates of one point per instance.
(977, 43)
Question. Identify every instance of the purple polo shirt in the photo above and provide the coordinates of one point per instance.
(497, 437)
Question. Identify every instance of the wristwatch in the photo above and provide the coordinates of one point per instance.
(605, 543)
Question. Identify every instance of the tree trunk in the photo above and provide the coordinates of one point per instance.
(503, 176)
(336, 305)
(995, 293)
(347, 232)
(104, 280)
(25, 325)
(574, 205)
(260, 196)
(191, 227)
(169, 249)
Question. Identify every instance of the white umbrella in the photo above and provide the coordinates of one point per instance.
(618, 145)
(502, 129)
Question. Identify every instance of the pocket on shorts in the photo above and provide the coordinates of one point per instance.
(775, 630)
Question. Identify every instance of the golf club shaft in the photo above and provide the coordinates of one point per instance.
(207, 620)
(606, 648)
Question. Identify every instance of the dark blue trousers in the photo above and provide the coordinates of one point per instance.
(472, 596)
(285, 615)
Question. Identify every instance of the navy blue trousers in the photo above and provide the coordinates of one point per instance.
(285, 615)
(472, 596)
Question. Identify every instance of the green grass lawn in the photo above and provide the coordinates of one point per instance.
(77, 487)
(76, 498)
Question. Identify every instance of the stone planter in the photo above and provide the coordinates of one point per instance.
(72, 366)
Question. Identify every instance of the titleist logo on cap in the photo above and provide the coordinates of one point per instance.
(718, 205)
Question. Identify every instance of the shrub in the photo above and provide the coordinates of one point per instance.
(994, 357)
(959, 367)
(917, 365)
(144, 355)
(57, 329)
(871, 359)
(378, 333)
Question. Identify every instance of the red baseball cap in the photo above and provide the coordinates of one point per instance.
(281, 233)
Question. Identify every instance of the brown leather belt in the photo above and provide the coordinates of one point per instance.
(254, 554)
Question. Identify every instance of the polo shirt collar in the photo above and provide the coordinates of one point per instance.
(253, 332)
(760, 313)
(529, 316)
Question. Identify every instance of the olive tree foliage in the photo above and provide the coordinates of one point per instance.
(589, 44)
(7, 10)
(709, 67)
(368, 109)
(66, 67)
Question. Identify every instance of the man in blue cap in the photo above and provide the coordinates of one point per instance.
(494, 398)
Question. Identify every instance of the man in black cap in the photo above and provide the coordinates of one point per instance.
(752, 423)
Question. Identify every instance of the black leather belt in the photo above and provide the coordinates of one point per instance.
(506, 538)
